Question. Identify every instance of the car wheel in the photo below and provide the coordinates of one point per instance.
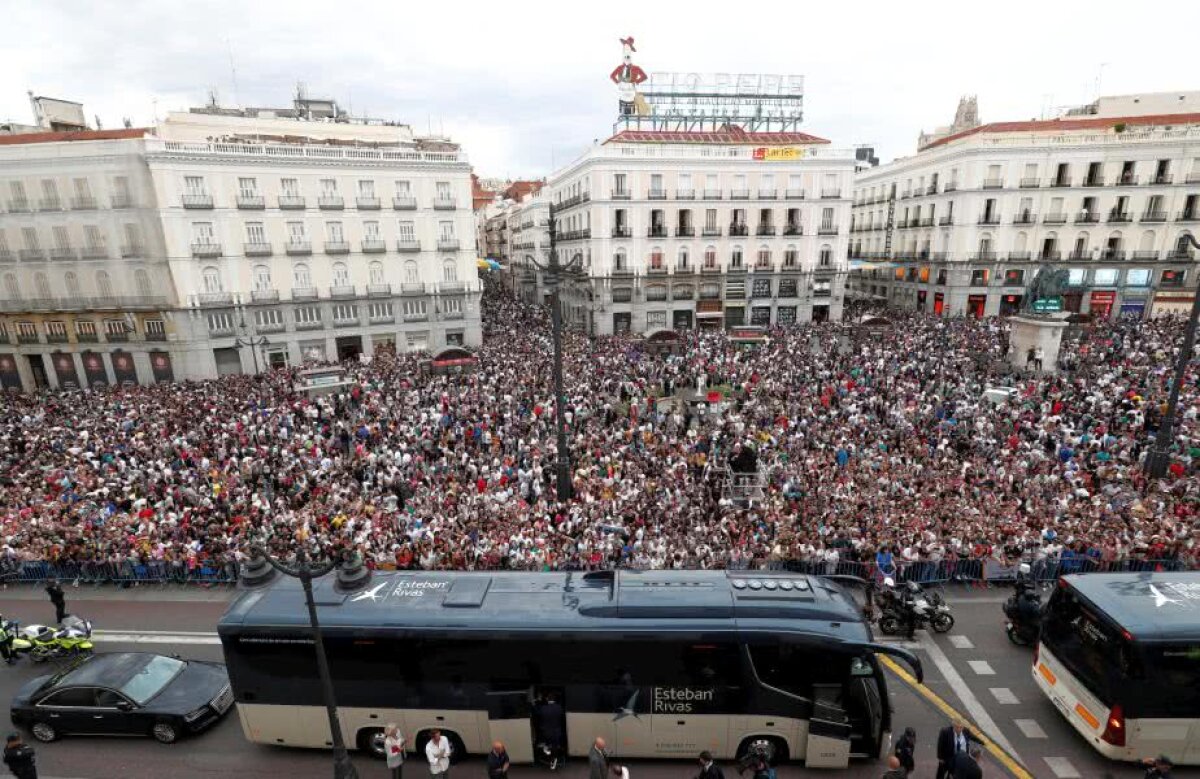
(370, 740)
(165, 733)
(44, 732)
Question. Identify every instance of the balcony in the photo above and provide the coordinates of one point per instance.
(251, 202)
(256, 249)
(987, 256)
(337, 247)
(1119, 217)
(710, 232)
(1112, 255)
(367, 203)
(304, 293)
(993, 184)
(656, 270)
(207, 299)
(1054, 219)
(945, 220)
(374, 246)
(91, 338)
(622, 231)
(927, 222)
(656, 194)
(989, 219)
(685, 194)
(951, 186)
(683, 270)
(1096, 181)
(622, 272)
(204, 249)
(793, 194)
(1188, 216)
(64, 254)
(331, 202)
(297, 248)
(133, 250)
(1051, 256)
(404, 203)
(1020, 256)
(406, 246)
(1032, 183)
(412, 288)
(200, 200)
(1087, 217)
(831, 194)
(350, 321)
(50, 204)
(122, 201)
(710, 269)
(1127, 181)
(1144, 256)
(18, 206)
(765, 230)
(57, 338)
(736, 230)
(1154, 216)
(28, 338)
(265, 296)
(659, 231)
(827, 230)
(768, 194)
(685, 231)
(444, 203)
(739, 194)
(292, 203)
(379, 290)
(342, 291)
(620, 194)
(793, 229)
(931, 189)
(88, 203)
(269, 327)
(447, 244)
(712, 194)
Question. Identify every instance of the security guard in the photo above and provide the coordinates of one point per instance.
(8, 634)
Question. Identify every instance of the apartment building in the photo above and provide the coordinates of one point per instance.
(962, 227)
(87, 296)
(676, 230)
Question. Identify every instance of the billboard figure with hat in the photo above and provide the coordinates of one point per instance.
(627, 76)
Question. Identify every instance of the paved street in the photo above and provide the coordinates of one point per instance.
(974, 669)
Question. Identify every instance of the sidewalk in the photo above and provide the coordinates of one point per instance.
(159, 593)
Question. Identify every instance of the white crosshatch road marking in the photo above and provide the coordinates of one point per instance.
(961, 642)
(1029, 728)
(153, 637)
(1062, 768)
(1003, 696)
(981, 667)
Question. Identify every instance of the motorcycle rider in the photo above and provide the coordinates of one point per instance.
(8, 634)
(1025, 608)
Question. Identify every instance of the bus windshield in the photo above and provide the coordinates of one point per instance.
(1091, 648)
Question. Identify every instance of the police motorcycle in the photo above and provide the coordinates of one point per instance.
(43, 642)
(899, 603)
(1023, 610)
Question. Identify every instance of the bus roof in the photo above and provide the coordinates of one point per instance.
(1151, 606)
(599, 601)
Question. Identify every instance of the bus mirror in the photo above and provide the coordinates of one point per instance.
(907, 657)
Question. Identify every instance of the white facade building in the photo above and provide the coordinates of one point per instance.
(673, 230)
(963, 226)
(86, 296)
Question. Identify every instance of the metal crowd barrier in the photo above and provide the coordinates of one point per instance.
(124, 573)
(987, 570)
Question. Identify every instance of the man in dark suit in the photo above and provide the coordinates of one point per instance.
(952, 740)
(966, 764)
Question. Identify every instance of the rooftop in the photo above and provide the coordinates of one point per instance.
(74, 135)
(1070, 124)
(733, 135)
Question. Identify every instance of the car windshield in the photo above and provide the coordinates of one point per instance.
(156, 674)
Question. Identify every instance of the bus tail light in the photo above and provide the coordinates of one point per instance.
(1114, 730)
(1037, 648)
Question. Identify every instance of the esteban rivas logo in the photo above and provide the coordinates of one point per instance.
(1161, 600)
(371, 594)
(629, 709)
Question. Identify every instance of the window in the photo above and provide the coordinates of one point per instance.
(446, 231)
(790, 256)
(366, 188)
(1138, 277)
(376, 272)
(1105, 277)
(378, 311)
(255, 232)
(341, 275)
(619, 262)
(85, 329)
(50, 192)
(681, 258)
(414, 307)
(56, 329)
(619, 185)
(77, 696)
(826, 218)
(761, 288)
(141, 280)
(220, 322)
(42, 284)
(62, 239)
(289, 187)
(212, 280)
(301, 276)
(442, 189)
(262, 278)
(371, 231)
(764, 257)
(192, 185)
(307, 315)
(121, 189)
(27, 330)
(735, 257)
(408, 231)
(449, 270)
(345, 312)
(329, 188)
(452, 305)
(268, 317)
(411, 274)
(94, 237)
(30, 236)
(202, 234)
(787, 288)
(133, 236)
(71, 281)
(296, 232)
(333, 231)
(656, 258)
(247, 187)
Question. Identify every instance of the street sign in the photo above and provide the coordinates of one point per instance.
(1048, 305)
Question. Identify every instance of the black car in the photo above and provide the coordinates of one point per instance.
(123, 694)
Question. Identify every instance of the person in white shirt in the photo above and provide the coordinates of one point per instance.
(438, 751)
(393, 749)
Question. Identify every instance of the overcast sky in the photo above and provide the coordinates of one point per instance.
(523, 85)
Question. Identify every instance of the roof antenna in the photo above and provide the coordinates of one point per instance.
(232, 72)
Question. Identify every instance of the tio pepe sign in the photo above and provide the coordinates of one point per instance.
(778, 153)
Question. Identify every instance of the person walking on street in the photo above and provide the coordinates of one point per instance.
(497, 761)
(953, 740)
(1158, 767)
(437, 752)
(598, 760)
(393, 749)
(895, 770)
(618, 772)
(8, 634)
(906, 747)
(20, 758)
(54, 590)
(709, 769)
(966, 764)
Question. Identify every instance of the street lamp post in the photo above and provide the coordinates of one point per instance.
(1159, 456)
(251, 341)
(259, 570)
(553, 277)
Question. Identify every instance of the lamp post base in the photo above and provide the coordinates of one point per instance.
(343, 768)
(1157, 462)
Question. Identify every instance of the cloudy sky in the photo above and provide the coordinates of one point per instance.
(523, 85)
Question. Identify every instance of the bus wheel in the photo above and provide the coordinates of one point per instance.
(773, 749)
(370, 740)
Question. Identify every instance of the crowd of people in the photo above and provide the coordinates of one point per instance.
(866, 443)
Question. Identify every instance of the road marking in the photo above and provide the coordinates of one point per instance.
(972, 704)
(1008, 759)
(1029, 728)
(1003, 696)
(1062, 768)
(981, 667)
(900, 642)
(156, 637)
(961, 642)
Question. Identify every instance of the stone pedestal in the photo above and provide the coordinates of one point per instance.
(1037, 332)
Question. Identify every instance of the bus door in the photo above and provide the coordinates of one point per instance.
(829, 729)
(509, 720)
(864, 705)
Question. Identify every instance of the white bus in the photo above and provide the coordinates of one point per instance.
(1119, 656)
(661, 664)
